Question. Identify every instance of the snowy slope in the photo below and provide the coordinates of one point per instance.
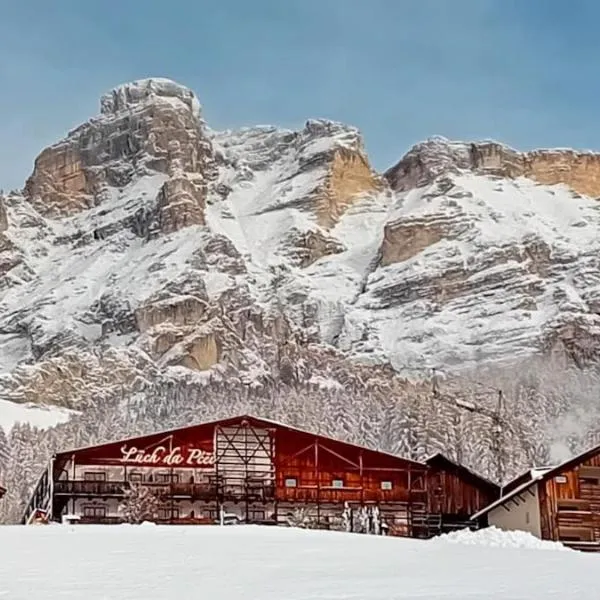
(515, 260)
(153, 562)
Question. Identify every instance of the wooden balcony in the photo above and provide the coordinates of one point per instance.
(90, 488)
(207, 491)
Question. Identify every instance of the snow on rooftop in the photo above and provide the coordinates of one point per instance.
(270, 563)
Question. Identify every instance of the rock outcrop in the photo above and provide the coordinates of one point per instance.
(151, 125)
(424, 162)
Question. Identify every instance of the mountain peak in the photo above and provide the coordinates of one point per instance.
(128, 95)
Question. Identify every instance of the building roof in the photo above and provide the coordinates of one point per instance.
(528, 475)
(533, 476)
(257, 421)
(440, 460)
(507, 497)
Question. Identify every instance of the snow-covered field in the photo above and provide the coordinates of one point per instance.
(229, 563)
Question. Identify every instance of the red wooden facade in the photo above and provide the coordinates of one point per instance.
(258, 470)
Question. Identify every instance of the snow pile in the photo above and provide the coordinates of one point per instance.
(497, 538)
(271, 563)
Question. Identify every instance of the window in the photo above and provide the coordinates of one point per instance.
(337, 483)
(166, 514)
(136, 477)
(570, 505)
(589, 475)
(527, 518)
(386, 485)
(94, 511)
(290, 482)
(94, 476)
(167, 477)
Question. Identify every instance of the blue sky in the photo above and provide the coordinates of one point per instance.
(521, 71)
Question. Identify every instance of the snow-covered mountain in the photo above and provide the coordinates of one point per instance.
(154, 272)
(146, 245)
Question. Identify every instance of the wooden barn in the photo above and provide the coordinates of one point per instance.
(560, 503)
(253, 470)
(455, 492)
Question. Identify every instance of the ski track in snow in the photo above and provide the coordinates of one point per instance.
(268, 563)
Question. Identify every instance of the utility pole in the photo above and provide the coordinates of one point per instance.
(434, 383)
(497, 437)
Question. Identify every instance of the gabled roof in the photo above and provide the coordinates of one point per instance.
(253, 420)
(534, 476)
(441, 461)
(528, 475)
(506, 498)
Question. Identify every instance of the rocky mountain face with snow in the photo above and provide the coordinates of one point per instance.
(155, 272)
(146, 245)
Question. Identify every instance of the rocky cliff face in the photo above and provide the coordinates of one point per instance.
(152, 126)
(147, 246)
(580, 171)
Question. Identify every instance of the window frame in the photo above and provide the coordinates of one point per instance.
(94, 476)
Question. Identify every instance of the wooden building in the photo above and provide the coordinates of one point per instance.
(254, 470)
(560, 503)
(456, 492)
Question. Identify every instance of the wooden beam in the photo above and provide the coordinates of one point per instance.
(334, 453)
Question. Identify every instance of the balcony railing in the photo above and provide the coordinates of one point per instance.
(195, 491)
(90, 488)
